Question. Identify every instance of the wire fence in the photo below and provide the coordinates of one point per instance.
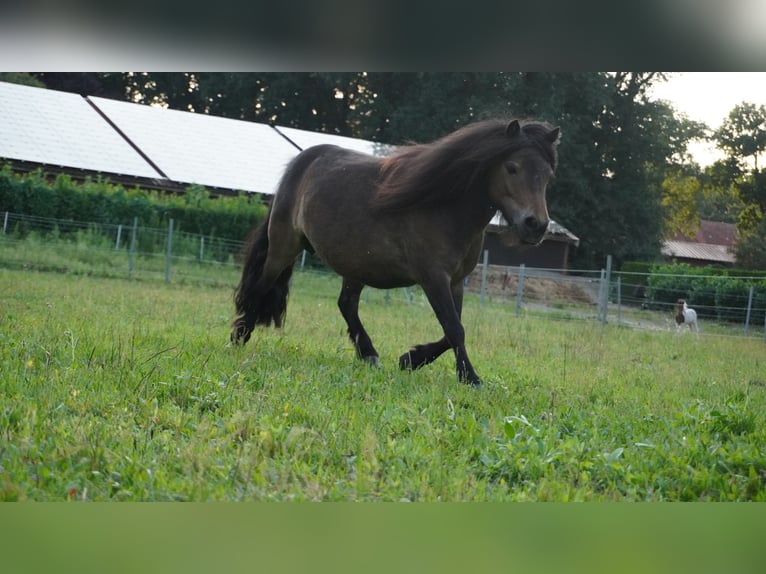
(169, 254)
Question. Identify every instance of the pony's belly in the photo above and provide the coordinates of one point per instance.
(381, 276)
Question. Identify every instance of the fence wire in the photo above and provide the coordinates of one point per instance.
(135, 251)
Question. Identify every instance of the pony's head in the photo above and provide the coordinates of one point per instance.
(679, 308)
(518, 185)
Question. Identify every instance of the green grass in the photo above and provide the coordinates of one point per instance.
(112, 389)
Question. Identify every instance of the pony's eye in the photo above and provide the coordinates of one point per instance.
(512, 168)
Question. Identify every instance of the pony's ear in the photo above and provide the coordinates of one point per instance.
(553, 135)
(513, 128)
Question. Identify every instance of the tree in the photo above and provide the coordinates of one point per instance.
(743, 136)
(743, 133)
(107, 85)
(680, 197)
(21, 78)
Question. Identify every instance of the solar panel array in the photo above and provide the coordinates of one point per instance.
(112, 137)
(62, 129)
(203, 149)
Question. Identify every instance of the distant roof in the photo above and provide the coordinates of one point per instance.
(698, 251)
(712, 232)
(713, 242)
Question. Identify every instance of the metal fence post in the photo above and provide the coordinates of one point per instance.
(607, 281)
(484, 266)
(619, 300)
(600, 308)
(169, 252)
(201, 248)
(119, 236)
(520, 290)
(132, 252)
(749, 308)
(5, 222)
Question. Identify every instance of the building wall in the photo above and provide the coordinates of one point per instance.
(549, 254)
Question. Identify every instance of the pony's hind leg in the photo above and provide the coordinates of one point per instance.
(348, 303)
(261, 297)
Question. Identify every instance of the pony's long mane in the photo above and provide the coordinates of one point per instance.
(445, 169)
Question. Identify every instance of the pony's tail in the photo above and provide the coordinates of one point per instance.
(258, 303)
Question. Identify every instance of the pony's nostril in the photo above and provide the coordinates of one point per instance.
(534, 225)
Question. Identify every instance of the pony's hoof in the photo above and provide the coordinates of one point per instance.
(470, 380)
(372, 360)
(239, 337)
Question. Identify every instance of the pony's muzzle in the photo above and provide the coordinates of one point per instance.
(533, 229)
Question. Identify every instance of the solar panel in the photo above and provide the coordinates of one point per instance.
(62, 129)
(203, 149)
(306, 139)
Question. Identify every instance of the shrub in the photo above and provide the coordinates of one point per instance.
(99, 201)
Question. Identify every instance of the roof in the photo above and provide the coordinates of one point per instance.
(555, 231)
(712, 232)
(714, 242)
(698, 251)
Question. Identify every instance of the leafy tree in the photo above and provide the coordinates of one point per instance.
(743, 133)
(751, 247)
(680, 195)
(107, 85)
(743, 136)
(21, 78)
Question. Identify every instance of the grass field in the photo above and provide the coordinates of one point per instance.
(112, 389)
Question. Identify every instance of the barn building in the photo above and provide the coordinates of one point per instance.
(552, 253)
(713, 244)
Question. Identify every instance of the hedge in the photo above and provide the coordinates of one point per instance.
(714, 293)
(100, 201)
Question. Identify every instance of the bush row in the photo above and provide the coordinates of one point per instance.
(714, 292)
(100, 201)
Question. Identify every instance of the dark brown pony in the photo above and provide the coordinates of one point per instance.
(416, 217)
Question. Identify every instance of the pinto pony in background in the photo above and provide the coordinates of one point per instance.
(685, 315)
(416, 217)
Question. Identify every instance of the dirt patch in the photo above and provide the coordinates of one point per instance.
(552, 288)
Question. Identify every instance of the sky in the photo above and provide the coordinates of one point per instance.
(709, 97)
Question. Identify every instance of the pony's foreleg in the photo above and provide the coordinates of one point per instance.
(421, 355)
(446, 303)
(348, 303)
